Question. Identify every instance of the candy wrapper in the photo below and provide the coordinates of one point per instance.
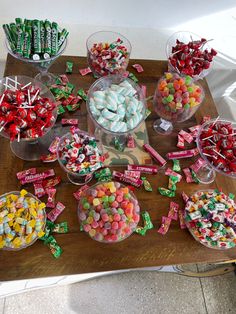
(181, 219)
(172, 183)
(185, 197)
(79, 192)
(103, 175)
(51, 192)
(53, 246)
(61, 227)
(180, 143)
(49, 183)
(147, 221)
(154, 154)
(138, 68)
(165, 225)
(131, 142)
(183, 154)
(69, 67)
(82, 94)
(199, 163)
(38, 189)
(53, 214)
(133, 77)
(143, 169)
(140, 230)
(70, 122)
(21, 175)
(85, 71)
(186, 136)
(173, 211)
(48, 158)
(132, 173)
(188, 175)
(146, 184)
(37, 176)
(122, 178)
(166, 192)
(170, 172)
(176, 165)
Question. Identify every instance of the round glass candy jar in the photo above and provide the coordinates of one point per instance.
(108, 212)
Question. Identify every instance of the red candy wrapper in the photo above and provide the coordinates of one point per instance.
(138, 68)
(165, 225)
(51, 182)
(154, 154)
(38, 189)
(38, 177)
(173, 211)
(51, 192)
(21, 175)
(64, 78)
(188, 175)
(53, 214)
(180, 143)
(186, 136)
(131, 142)
(194, 128)
(182, 220)
(125, 74)
(199, 163)
(132, 174)
(53, 146)
(121, 178)
(74, 122)
(48, 158)
(185, 197)
(85, 71)
(184, 154)
(144, 169)
(78, 193)
(170, 172)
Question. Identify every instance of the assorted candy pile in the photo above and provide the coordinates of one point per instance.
(211, 218)
(105, 58)
(176, 97)
(191, 58)
(23, 112)
(22, 220)
(108, 212)
(35, 39)
(117, 108)
(217, 142)
(78, 152)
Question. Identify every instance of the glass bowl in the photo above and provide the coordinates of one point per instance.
(180, 108)
(207, 174)
(30, 148)
(73, 176)
(104, 84)
(44, 220)
(230, 221)
(108, 212)
(102, 65)
(185, 37)
(42, 65)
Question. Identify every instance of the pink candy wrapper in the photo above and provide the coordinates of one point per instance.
(199, 163)
(185, 197)
(173, 211)
(21, 175)
(125, 74)
(194, 128)
(48, 183)
(184, 154)
(53, 146)
(64, 78)
(69, 122)
(122, 178)
(138, 68)
(144, 169)
(186, 136)
(154, 154)
(53, 214)
(165, 225)
(38, 177)
(188, 175)
(51, 192)
(39, 189)
(78, 193)
(170, 172)
(49, 158)
(182, 220)
(132, 174)
(180, 143)
(131, 142)
(85, 71)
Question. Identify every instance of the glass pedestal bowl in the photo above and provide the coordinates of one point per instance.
(174, 105)
(25, 245)
(106, 64)
(29, 148)
(108, 212)
(207, 173)
(122, 125)
(186, 37)
(41, 65)
(74, 176)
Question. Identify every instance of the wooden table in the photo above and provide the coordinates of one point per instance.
(80, 253)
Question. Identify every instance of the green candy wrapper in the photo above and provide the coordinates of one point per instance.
(61, 227)
(166, 192)
(231, 195)
(103, 175)
(172, 183)
(176, 165)
(146, 184)
(118, 145)
(194, 176)
(69, 67)
(60, 110)
(147, 221)
(73, 107)
(53, 246)
(140, 230)
(47, 230)
(82, 94)
(133, 77)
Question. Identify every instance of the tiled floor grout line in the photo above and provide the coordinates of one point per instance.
(203, 295)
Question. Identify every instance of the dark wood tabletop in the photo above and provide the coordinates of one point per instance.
(80, 253)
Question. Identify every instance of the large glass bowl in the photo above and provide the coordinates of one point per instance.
(103, 84)
(111, 66)
(44, 221)
(41, 65)
(87, 210)
(75, 177)
(207, 174)
(185, 37)
(168, 115)
(193, 230)
(30, 148)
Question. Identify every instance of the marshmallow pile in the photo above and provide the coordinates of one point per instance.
(117, 108)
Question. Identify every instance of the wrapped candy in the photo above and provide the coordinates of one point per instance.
(146, 184)
(165, 225)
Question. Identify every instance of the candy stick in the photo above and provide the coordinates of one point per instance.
(16, 82)
(215, 121)
(28, 92)
(3, 95)
(18, 137)
(219, 154)
(206, 138)
(28, 84)
(34, 97)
